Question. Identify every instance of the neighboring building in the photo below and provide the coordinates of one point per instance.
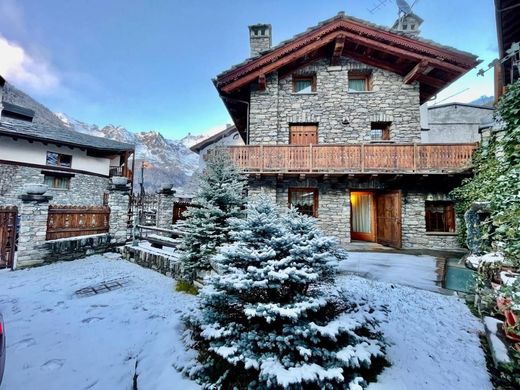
(455, 123)
(227, 137)
(36, 148)
(332, 125)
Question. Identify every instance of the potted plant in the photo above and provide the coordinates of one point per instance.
(511, 326)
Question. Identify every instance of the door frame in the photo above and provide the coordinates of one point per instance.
(399, 242)
(372, 236)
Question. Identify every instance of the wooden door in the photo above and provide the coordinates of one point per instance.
(363, 223)
(389, 219)
(303, 134)
(8, 218)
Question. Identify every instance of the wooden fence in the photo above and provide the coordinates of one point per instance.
(73, 221)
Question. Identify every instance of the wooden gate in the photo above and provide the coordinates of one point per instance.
(8, 216)
(389, 219)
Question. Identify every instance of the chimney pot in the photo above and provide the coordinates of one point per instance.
(260, 38)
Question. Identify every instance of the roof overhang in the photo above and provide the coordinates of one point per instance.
(214, 138)
(432, 65)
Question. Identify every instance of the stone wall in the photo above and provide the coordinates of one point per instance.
(76, 247)
(414, 233)
(85, 190)
(333, 202)
(153, 259)
(332, 105)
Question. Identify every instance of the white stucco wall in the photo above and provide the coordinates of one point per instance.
(229, 140)
(36, 153)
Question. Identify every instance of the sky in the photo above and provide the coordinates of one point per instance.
(149, 65)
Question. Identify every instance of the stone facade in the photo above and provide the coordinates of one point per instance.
(85, 190)
(341, 116)
(334, 213)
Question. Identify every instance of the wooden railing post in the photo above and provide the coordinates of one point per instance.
(310, 158)
(262, 157)
(362, 157)
(415, 156)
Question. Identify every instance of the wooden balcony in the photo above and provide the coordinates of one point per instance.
(353, 158)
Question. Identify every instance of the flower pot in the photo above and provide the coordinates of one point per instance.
(119, 180)
(36, 188)
(167, 186)
(511, 320)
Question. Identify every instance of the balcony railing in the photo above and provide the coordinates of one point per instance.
(354, 158)
(120, 171)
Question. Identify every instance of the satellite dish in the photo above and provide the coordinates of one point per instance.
(404, 7)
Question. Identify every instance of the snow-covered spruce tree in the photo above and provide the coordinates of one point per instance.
(219, 197)
(267, 317)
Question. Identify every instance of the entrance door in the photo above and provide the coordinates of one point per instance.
(363, 212)
(7, 236)
(389, 219)
(303, 134)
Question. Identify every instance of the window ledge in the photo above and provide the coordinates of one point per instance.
(383, 141)
(441, 233)
(303, 93)
(58, 189)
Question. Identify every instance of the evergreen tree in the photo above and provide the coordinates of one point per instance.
(267, 319)
(219, 197)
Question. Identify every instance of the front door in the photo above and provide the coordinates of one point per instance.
(303, 134)
(363, 212)
(389, 219)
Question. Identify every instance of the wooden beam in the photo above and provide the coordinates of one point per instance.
(432, 82)
(339, 44)
(262, 82)
(416, 72)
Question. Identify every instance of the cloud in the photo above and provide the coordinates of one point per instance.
(20, 68)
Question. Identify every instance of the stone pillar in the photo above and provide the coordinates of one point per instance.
(119, 202)
(34, 211)
(165, 208)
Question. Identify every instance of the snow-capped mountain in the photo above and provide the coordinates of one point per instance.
(166, 160)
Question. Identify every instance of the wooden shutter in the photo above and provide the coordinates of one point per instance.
(303, 134)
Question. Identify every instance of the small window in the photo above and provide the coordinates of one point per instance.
(305, 200)
(380, 131)
(59, 160)
(440, 217)
(405, 26)
(359, 82)
(412, 27)
(57, 182)
(304, 84)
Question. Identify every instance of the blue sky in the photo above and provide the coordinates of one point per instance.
(148, 64)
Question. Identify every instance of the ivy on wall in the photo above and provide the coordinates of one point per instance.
(497, 180)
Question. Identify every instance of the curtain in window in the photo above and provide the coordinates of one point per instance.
(361, 213)
(356, 85)
(304, 86)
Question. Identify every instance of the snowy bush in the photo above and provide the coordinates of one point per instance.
(269, 318)
(219, 197)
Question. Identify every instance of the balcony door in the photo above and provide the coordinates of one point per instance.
(303, 134)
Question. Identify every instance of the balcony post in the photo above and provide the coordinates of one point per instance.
(310, 158)
(415, 156)
(362, 157)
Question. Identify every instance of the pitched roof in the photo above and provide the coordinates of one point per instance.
(62, 136)
(446, 61)
(214, 138)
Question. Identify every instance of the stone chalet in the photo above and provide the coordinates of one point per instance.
(35, 147)
(331, 121)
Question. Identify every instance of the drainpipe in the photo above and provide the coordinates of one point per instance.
(247, 117)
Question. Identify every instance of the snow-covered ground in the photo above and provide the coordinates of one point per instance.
(408, 270)
(56, 340)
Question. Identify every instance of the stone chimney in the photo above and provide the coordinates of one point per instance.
(260, 38)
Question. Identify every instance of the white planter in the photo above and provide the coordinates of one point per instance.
(166, 186)
(35, 188)
(119, 180)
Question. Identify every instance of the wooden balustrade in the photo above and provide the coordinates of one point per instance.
(353, 158)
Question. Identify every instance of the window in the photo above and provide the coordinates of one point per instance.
(380, 131)
(305, 200)
(303, 134)
(17, 112)
(304, 84)
(61, 182)
(359, 81)
(59, 160)
(440, 217)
